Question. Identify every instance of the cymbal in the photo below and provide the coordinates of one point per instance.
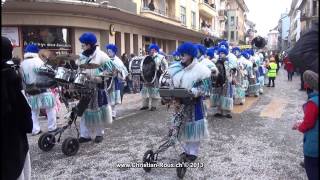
(89, 66)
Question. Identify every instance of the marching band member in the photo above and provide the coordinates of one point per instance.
(189, 74)
(114, 96)
(201, 52)
(247, 69)
(43, 98)
(253, 71)
(98, 113)
(150, 92)
(222, 96)
(239, 95)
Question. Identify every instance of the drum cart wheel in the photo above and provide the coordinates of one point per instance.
(70, 146)
(148, 158)
(46, 141)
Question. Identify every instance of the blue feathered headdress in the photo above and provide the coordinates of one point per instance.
(210, 52)
(188, 48)
(31, 48)
(245, 54)
(153, 46)
(88, 38)
(201, 49)
(223, 50)
(175, 53)
(112, 47)
(223, 44)
(250, 51)
(235, 49)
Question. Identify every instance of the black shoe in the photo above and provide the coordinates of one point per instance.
(84, 140)
(217, 115)
(191, 157)
(228, 116)
(256, 95)
(302, 164)
(35, 134)
(98, 139)
(268, 86)
(153, 108)
(241, 103)
(144, 108)
(273, 86)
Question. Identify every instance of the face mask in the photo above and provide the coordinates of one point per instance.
(111, 53)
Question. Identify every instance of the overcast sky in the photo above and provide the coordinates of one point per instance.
(266, 13)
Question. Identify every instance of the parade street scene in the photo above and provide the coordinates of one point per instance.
(160, 89)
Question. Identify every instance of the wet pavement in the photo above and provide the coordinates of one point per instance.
(257, 143)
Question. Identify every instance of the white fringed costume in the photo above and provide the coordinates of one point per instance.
(114, 96)
(193, 78)
(46, 100)
(98, 114)
(151, 91)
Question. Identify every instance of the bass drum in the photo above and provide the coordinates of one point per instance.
(148, 69)
(135, 65)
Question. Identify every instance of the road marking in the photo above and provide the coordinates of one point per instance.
(274, 109)
(238, 109)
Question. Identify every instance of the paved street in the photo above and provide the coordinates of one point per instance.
(257, 143)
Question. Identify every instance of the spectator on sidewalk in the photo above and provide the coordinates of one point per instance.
(16, 121)
(288, 65)
(309, 126)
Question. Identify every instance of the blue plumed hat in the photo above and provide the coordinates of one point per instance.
(188, 48)
(223, 44)
(31, 48)
(112, 47)
(250, 51)
(153, 46)
(201, 49)
(223, 50)
(175, 53)
(235, 49)
(88, 38)
(210, 52)
(245, 54)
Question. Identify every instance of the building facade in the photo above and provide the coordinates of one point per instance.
(235, 25)
(273, 41)
(309, 14)
(130, 24)
(283, 28)
(295, 27)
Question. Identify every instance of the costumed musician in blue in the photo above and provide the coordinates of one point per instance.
(119, 75)
(43, 98)
(239, 95)
(150, 91)
(254, 85)
(222, 94)
(98, 114)
(189, 74)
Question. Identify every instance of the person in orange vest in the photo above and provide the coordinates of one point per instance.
(272, 71)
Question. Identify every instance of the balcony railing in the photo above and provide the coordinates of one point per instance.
(161, 12)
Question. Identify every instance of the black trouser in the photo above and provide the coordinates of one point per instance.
(290, 74)
(271, 79)
(311, 165)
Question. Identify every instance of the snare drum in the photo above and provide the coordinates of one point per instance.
(80, 79)
(46, 70)
(63, 75)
